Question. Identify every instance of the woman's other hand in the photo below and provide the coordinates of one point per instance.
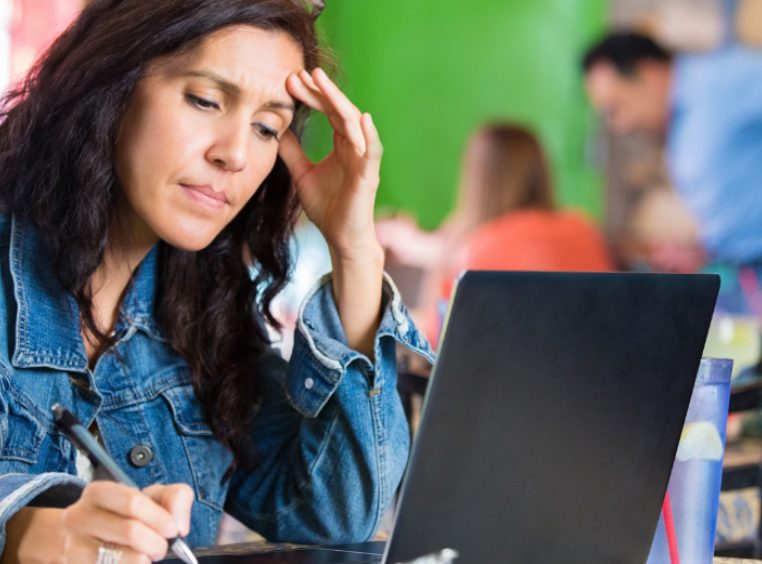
(138, 523)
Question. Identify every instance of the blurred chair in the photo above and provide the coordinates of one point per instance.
(411, 384)
(743, 471)
(407, 278)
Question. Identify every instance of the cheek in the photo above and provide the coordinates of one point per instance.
(640, 103)
(262, 164)
(146, 151)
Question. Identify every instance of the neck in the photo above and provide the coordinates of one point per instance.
(129, 242)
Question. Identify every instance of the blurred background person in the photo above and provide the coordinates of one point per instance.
(706, 107)
(506, 219)
(522, 227)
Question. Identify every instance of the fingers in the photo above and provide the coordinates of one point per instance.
(319, 92)
(128, 534)
(343, 114)
(374, 149)
(79, 550)
(303, 87)
(293, 155)
(372, 162)
(132, 504)
(353, 130)
(177, 499)
(138, 523)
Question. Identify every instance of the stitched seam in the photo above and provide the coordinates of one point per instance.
(147, 394)
(311, 413)
(16, 235)
(196, 480)
(396, 305)
(29, 454)
(321, 449)
(324, 360)
(379, 447)
(185, 428)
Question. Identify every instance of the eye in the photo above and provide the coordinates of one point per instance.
(265, 132)
(202, 103)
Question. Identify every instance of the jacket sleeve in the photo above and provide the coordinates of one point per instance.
(331, 439)
(52, 489)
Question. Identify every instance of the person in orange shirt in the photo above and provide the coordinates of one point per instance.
(505, 219)
(527, 230)
(523, 227)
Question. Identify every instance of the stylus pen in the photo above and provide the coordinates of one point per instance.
(84, 441)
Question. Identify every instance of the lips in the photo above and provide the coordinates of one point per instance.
(205, 195)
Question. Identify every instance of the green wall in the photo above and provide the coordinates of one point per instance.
(431, 70)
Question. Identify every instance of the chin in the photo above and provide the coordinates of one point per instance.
(189, 240)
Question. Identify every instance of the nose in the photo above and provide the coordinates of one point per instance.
(230, 146)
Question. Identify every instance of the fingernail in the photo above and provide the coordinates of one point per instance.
(370, 117)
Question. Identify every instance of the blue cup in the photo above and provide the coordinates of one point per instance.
(694, 486)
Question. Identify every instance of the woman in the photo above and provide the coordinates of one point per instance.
(147, 164)
(506, 219)
(521, 226)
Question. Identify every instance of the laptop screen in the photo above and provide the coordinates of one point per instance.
(553, 416)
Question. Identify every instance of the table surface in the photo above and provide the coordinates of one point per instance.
(260, 547)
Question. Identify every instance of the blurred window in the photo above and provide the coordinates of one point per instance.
(687, 25)
(28, 27)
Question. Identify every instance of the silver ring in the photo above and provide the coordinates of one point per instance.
(109, 554)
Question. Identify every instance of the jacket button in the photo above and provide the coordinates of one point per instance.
(141, 455)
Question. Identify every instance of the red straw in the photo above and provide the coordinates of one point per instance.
(669, 526)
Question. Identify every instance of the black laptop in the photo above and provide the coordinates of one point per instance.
(551, 419)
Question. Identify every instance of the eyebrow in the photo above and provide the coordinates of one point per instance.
(235, 90)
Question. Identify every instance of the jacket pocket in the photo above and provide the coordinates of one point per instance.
(207, 457)
(21, 428)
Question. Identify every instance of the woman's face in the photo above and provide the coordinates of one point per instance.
(201, 134)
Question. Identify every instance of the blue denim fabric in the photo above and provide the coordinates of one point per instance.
(330, 434)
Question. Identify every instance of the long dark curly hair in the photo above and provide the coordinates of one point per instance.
(58, 133)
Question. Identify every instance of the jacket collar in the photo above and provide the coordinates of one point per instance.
(47, 317)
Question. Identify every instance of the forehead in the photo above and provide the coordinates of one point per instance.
(250, 57)
(603, 80)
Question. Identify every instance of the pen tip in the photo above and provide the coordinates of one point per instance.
(183, 552)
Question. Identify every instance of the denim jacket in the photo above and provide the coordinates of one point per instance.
(330, 434)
